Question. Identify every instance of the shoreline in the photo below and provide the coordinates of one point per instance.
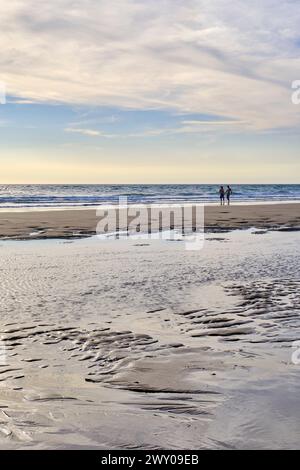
(81, 223)
(24, 209)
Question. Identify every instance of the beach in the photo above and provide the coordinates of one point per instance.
(149, 228)
(83, 222)
(129, 344)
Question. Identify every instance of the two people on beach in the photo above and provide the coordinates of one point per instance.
(225, 193)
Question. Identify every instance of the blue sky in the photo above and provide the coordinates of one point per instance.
(140, 91)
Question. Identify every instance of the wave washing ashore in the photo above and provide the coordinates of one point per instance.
(64, 196)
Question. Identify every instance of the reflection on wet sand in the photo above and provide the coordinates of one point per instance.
(111, 345)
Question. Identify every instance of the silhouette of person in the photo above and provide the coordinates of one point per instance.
(222, 195)
(228, 194)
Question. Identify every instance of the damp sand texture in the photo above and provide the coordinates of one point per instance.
(119, 345)
(84, 222)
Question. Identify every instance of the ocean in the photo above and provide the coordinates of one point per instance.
(67, 196)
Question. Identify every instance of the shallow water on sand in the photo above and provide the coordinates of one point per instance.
(122, 344)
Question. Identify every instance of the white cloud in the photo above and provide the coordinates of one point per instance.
(88, 132)
(227, 58)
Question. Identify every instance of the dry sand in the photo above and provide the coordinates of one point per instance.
(80, 223)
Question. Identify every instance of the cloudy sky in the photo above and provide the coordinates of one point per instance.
(149, 91)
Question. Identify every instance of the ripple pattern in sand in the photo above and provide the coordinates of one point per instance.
(265, 311)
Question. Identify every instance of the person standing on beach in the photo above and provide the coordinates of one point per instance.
(222, 195)
(228, 194)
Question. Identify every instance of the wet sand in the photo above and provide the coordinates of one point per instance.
(118, 345)
(81, 223)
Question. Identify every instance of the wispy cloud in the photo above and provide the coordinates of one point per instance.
(212, 123)
(192, 56)
(20, 102)
(88, 132)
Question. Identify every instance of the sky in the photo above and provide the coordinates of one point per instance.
(148, 91)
